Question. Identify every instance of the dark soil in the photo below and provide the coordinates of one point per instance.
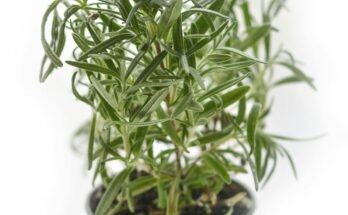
(145, 201)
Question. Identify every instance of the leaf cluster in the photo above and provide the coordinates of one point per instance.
(166, 79)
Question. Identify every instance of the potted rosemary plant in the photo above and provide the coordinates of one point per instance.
(179, 93)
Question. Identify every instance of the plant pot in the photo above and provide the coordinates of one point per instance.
(241, 208)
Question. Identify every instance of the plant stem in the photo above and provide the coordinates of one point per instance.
(158, 50)
(177, 158)
(213, 148)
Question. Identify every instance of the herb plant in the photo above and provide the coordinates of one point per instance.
(178, 90)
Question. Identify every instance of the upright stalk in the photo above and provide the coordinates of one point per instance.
(178, 160)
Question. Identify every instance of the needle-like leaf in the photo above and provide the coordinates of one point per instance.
(299, 74)
(103, 93)
(111, 191)
(218, 167)
(150, 68)
(203, 10)
(228, 99)
(256, 33)
(240, 53)
(169, 17)
(91, 141)
(221, 87)
(184, 103)
(252, 126)
(152, 104)
(76, 93)
(106, 44)
(137, 58)
(94, 68)
(49, 52)
(168, 127)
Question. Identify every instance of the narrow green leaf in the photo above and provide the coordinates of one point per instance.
(258, 157)
(178, 40)
(111, 191)
(168, 127)
(195, 74)
(168, 18)
(252, 126)
(94, 68)
(142, 184)
(55, 26)
(80, 42)
(246, 14)
(110, 22)
(54, 55)
(240, 53)
(139, 138)
(212, 137)
(268, 38)
(287, 80)
(204, 20)
(274, 7)
(151, 85)
(162, 3)
(184, 103)
(92, 31)
(299, 74)
(43, 71)
(150, 68)
(228, 99)
(152, 104)
(133, 11)
(137, 58)
(273, 168)
(195, 106)
(287, 154)
(76, 93)
(169, 49)
(222, 87)
(103, 93)
(241, 111)
(185, 64)
(231, 67)
(196, 36)
(173, 198)
(218, 167)
(251, 165)
(109, 150)
(139, 124)
(130, 200)
(106, 44)
(125, 8)
(165, 77)
(222, 58)
(162, 194)
(280, 137)
(266, 159)
(91, 141)
(203, 42)
(201, 22)
(254, 35)
(49, 52)
(193, 11)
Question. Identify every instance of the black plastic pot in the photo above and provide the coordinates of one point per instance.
(241, 208)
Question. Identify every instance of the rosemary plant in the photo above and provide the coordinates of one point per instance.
(178, 90)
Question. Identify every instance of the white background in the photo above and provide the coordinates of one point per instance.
(40, 175)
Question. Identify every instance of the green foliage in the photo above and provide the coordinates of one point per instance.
(177, 75)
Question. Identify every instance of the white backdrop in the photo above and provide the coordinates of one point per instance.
(40, 174)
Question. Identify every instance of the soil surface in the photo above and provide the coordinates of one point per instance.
(146, 206)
